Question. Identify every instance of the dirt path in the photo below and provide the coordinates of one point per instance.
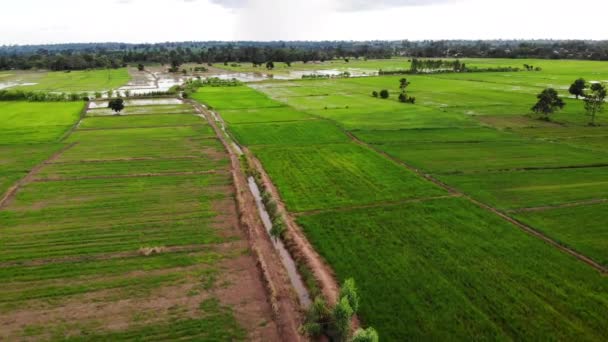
(134, 175)
(282, 297)
(557, 206)
(12, 191)
(504, 216)
(221, 247)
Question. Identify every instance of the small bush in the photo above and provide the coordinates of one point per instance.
(384, 94)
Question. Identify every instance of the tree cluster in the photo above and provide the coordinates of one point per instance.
(114, 55)
(335, 322)
(594, 96)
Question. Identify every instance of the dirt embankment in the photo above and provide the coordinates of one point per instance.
(288, 315)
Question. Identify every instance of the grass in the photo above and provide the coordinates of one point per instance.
(261, 115)
(450, 270)
(36, 122)
(239, 97)
(582, 228)
(289, 133)
(72, 235)
(520, 189)
(338, 175)
(78, 81)
(487, 156)
(29, 134)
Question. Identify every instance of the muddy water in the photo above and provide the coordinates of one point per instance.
(288, 262)
(5, 85)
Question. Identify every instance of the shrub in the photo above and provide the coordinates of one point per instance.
(366, 335)
(374, 93)
(349, 290)
(384, 94)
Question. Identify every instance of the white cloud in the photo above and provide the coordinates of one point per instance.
(43, 21)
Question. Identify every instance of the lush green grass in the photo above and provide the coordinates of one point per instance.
(259, 115)
(289, 133)
(239, 97)
(77, 81)
(36, 122)
(29, 134)
(510, 190)
(583, 228)
(478, 157)
(434, 135)
(338, 175)
(125, 121)
(446, 269)
(73, 234)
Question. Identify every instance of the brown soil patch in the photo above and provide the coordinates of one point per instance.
(135, 175)
(237, 286)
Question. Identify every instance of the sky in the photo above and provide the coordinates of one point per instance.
(148, 21)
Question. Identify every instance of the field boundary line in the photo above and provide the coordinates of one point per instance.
(135, 127)
(135, 175)
(83, 114)
(524, 227)
(122, 254)
(101, 161)
(287, 313)
(12, 191)
(558, 206)
(373, 205)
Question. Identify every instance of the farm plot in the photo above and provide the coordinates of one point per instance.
(29, 134)
(488, 156)
(112, 242)
(77, 81)
(582, 227)
(445, 269)
(448, 269)
(339, 175)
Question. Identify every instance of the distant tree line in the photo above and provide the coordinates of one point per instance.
(114, 55)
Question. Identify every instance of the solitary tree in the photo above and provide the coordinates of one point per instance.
(140, 67)
(578, 88)
(374, 93)
(548, 103)
(117, 105)
(594, 101)
(384, 94)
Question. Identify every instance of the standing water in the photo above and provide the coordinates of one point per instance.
(288, 262)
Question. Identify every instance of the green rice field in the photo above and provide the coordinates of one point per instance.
(430, 264)
(129, 233)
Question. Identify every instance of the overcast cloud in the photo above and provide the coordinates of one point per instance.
(43, 21)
